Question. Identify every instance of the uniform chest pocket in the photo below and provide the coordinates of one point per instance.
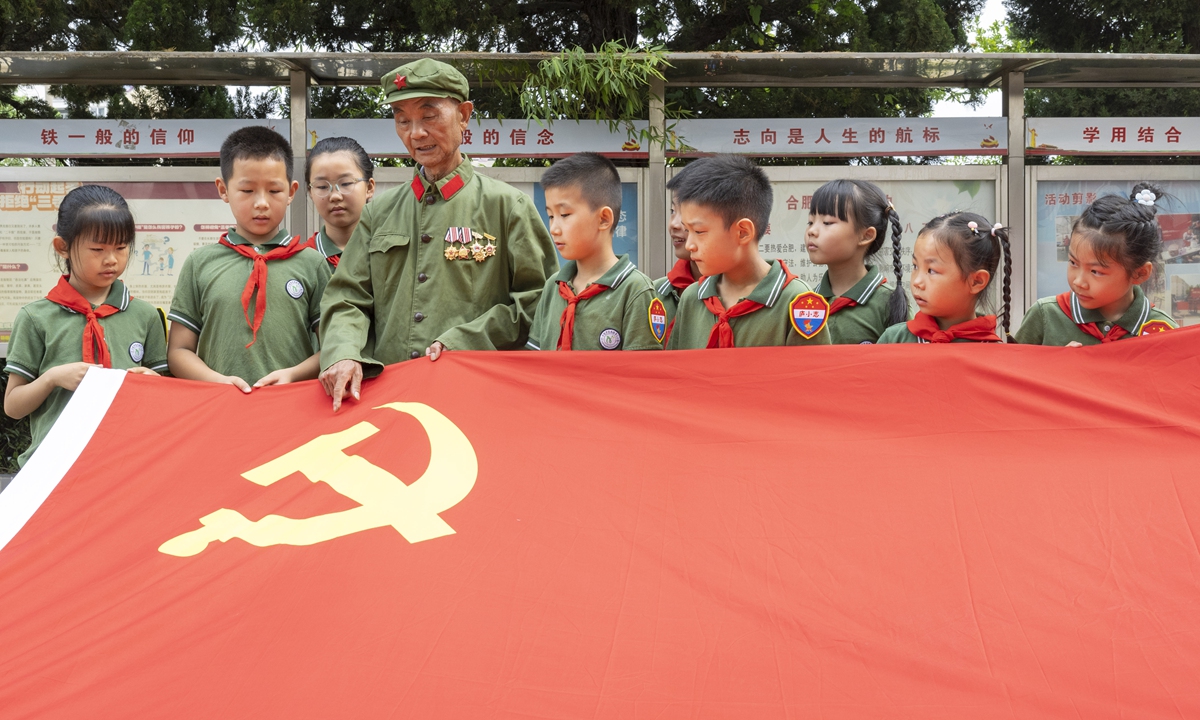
(386, 241)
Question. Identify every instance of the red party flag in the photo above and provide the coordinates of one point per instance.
(903, 531)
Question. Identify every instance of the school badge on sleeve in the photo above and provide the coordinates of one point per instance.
(809, 312)
(658, 319)
(1154, 326)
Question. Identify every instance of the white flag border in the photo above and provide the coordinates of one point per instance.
(59, 450)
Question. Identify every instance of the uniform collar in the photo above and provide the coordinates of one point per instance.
(325, 246)
(281, 238)
(1133, 319)
(861, 292)
(766, 292)
(448, 186)
(118, 297)
(611, 279)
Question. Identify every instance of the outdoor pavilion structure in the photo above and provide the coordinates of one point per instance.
(1011, 73)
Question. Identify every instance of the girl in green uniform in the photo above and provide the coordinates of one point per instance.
(847, 223)
(340, 179)
(955, 260)
(1110, 253)
(87, 320)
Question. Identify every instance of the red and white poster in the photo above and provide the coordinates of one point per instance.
(959, 531)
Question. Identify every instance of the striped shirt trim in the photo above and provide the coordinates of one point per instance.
(664, 288)
(1143, 316)
(629, 268)
(702, 291)
(776, 289)
(866, 294)
(1076, 310)
(12, 367)
(159, 366)
(531, 345)
(176, 317)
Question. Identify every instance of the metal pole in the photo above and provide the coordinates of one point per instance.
(1014, 110)
(298, 212)
(658, 249)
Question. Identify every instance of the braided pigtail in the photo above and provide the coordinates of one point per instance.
(1001, 234)
(898, 304)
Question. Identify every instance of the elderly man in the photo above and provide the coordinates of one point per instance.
(452, 261)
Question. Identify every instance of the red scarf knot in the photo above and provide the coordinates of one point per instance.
(567, 322)
(721, 335)
(258, 278)
(980, 329)
(95, 349)
(1115, 333)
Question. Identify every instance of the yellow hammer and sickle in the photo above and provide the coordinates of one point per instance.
(383, 498)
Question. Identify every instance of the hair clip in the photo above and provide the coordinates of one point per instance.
(1145, 197)
(974, 227)
(997, 226)
(890, 206)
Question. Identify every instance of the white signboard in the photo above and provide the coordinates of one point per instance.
(121, 138)
(1110, 136)
(844, 136)
(497, 138)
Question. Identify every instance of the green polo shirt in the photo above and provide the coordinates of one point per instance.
(1047, 324)
(616, 319)
(326, 247)
(395, 293)
(768, 326)
(665, 291)
(46, 335)
(899, 333)
(863, 323)
(208, 299)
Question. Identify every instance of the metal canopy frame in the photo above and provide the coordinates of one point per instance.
(1011, 73)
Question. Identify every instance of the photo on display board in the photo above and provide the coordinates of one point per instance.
(1059, 205)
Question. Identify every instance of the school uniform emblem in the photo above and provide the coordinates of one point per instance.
(809, 312)
(295, 288)
(137, 351)
(610, 339)
(658, 319)
(1154, 326)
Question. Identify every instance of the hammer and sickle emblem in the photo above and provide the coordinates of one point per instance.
(383, 498)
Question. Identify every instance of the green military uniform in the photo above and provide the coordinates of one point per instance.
(1047, 324)
(771, 325)
(616, 319)
(46, 335)
(326, 247)
(863, 322)
(395, 293)
(460, 261)
(208, 300)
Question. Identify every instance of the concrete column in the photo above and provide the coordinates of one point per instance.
(1023, 286)
(298, 212)
(657, 245)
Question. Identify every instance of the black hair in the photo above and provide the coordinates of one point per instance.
(865, 205)
(254, 142)
(731, 185)
(1122, 229)
(596, 177)
(977, 248)
(340, 144)
(97, 213)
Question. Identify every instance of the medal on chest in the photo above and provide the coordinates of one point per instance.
(463, 243)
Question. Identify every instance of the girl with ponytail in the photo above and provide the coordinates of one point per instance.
(848, 223)
(955, 260)
(1111, 252)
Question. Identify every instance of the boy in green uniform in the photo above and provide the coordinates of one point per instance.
(597, 301)
(244, 307)
(743, 300)
(452, 261)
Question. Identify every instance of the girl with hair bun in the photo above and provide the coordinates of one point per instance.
(87, 320)
(340, 179)
(955, 260)
(1110, 253)
(847, 223)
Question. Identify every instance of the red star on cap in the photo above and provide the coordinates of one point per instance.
(400, 82)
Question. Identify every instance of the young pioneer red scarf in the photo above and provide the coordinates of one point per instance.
(95, 349)
(566, 323)
(312, 243)
(721, 335)
(680, 276)
(1116, 333)
(840, 302)
(258, 278)
(980, 329)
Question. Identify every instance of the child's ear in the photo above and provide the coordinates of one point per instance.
(867, 238)
(222, 190)
(292, 191)
(606, 218)
(978, 281)
(60, 246)
(1142, 274)
(745, 232)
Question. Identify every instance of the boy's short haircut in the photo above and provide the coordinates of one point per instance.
(731, 185)
(254, 142)
(596, 177)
